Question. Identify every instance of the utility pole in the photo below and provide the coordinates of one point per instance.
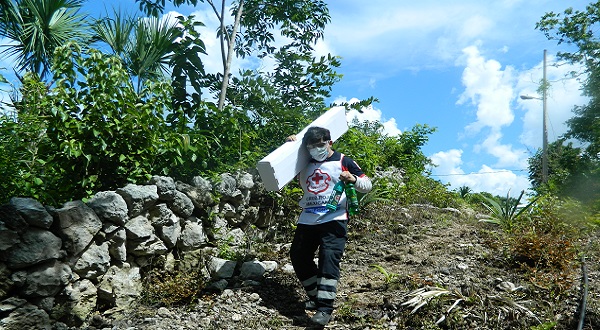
(545, 86)
(545, 128)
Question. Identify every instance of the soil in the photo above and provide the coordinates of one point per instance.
(461, 263)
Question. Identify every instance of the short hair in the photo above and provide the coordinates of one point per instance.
(315, 135)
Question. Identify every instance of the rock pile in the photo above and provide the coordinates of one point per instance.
(58, 264)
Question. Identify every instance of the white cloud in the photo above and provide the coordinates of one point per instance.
(371, 114)
(422, 34)
(496, 181)
(322, 48)
(499, 181)
(489, 88)
(563, 94)
(475, 26)
(448, 162)
(506, 155)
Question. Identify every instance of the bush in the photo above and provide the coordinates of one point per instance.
(169, 289)
(544, 243)
(419, 189)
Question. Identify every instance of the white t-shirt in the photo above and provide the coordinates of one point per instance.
(317, 181)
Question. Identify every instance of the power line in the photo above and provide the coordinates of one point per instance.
(490, 172)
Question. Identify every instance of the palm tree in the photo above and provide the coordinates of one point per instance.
(115, 32)
(145, 45)
(464, 191)
(37, 27)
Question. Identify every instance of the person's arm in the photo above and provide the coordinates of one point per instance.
(354, 174)
(363, 184)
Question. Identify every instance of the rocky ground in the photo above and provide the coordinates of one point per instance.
(416, 268)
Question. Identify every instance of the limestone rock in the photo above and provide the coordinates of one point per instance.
(192, 235)
(94, 262)
(139, 228)
(252, 270)
(200, 198)
(148, 247)
(5, 281)
(81, 298)
(221, 268)
(164, 184)
(26, 317)
(78, 226)
(36, 246)
(227, 187)
(8, 237)
(244, 180)
(169, 234)
(109, 206)
(138, 198)
(116, 245)
(32, 211)
(202, 183)
(236, 237)
(12, 219)
(10, 304)
(47, 280)
(120, 286)
(181, 204)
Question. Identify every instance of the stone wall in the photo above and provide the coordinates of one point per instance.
(59, 264)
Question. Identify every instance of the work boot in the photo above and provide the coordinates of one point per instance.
(310, 305)
(321, 318)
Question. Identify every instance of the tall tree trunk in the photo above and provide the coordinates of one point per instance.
(230, 45)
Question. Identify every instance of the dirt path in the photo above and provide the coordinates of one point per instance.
(440, 252)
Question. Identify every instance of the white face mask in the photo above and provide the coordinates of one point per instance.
(319, 154)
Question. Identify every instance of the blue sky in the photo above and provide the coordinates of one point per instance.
(458, 65)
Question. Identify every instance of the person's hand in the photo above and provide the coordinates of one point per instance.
(347, 177)
(290, 138)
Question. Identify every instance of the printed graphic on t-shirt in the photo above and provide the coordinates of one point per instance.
(317, 200)
(319, 210)
(318, 182)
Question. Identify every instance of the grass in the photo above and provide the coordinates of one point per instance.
(389, 277)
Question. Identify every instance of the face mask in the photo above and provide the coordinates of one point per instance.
(319, 154)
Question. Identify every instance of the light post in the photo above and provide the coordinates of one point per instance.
(544, 120)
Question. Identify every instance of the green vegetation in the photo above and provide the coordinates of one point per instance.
(389, 277)
(84, 120)
(506, 212)
(169, 289)
(575, 171)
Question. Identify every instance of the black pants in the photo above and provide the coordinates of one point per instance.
(319, 281)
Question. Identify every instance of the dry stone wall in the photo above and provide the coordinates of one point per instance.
(59, 264)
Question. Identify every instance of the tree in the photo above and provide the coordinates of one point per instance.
(23, 143)
(251, 32)
(152, 47)
(91, 131)
(37, 28)
(577, 28)
(374, 150)
(571, 173)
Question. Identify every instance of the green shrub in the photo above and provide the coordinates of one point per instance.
(419, 189)
(506, 211)
(544, 244)
(169, 289)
